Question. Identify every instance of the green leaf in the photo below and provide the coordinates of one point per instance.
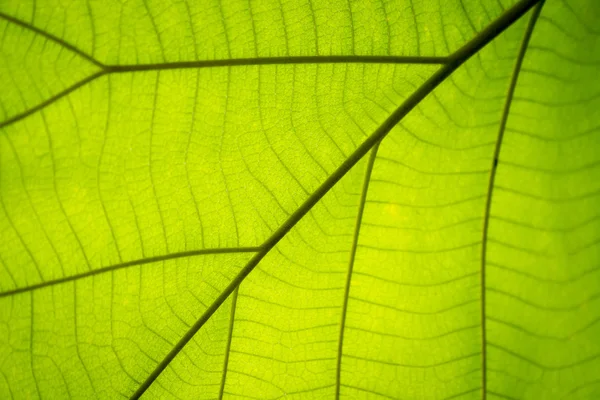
(306, 199)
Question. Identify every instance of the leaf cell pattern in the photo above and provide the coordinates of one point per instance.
(228, 199)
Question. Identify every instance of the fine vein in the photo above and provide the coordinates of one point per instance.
(490, 189)
(229, 338)
(142, 261)
(359, 215)
(455, 61)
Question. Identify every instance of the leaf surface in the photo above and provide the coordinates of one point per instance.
(303, 199)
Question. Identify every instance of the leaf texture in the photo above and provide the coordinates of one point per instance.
(307, 200)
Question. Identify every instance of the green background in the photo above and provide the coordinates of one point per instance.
(131, 198)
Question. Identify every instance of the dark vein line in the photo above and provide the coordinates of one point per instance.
(232, 62)
(33, 10)
(545, 336)
(490, 189)
(55, 181)
(92, 27)
(365, 390)
(359, 215)
(187, 152)
(314, 21)
(584, 304)
(462, 55)
(7, 385)
(414, 16)
(19, 236)
(516, 376)
(502, 396)
(580, 387)
(555, 200)
(155, 28)
(53, 38)
(229, 339)
(280, 360)
(52, 99)
(114, 267)
(105, 133)
(415, 311)
(540, 365)
(78, 340)
(31, 204)
(415, 366)
(32, 344)
(452, 332)
(454, 396)
(110, 69)
(545, 280)
(289, 307)
(150, 149)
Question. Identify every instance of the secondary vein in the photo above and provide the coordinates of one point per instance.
(359, 215)
(490, 190)
(52, 99)
(142, 261)
(227, 62)
(233, 62)
(52, 38)
(229, 339)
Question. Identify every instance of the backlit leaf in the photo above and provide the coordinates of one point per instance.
(303, 199)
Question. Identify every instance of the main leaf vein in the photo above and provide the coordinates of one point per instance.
(454, 62)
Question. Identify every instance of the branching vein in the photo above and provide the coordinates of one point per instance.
(454, 62)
